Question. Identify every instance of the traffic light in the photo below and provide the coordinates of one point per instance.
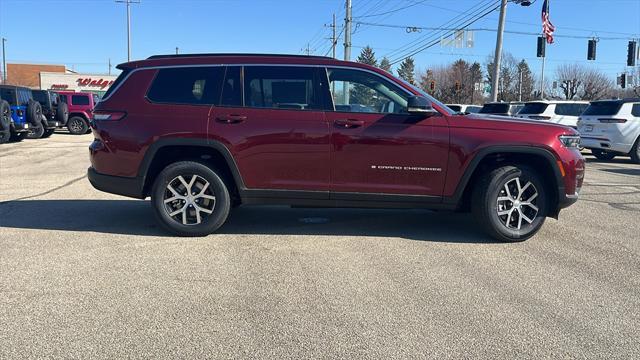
(432, 85)
(591, 50)
(542, 42)
(622, 81)
(631, 53)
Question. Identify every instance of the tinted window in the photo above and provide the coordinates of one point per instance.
(360, 91)
(455, 108)
(473, 109)
(63, 98)
(635, 110)
(570, 109)
(533, 108)
(231, 87)
(189, 85)
(8, 95)
(603, 108)
(116, 83)
(281, 87)
(494, 109)
(41, 97)
(79, 99)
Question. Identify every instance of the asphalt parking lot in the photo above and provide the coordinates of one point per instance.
(87, 274)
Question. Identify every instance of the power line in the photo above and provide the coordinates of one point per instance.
(392, 11)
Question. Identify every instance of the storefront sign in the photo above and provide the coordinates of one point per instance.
(99, 83)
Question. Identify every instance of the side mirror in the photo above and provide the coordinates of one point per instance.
(418, 105)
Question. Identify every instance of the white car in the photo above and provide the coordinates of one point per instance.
(464, 108)
(559, 112)
(612, 127)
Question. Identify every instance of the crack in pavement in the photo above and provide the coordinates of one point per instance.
(68, 183)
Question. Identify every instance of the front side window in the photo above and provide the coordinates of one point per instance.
(360, 91)
(79, 99)
(187, 85)
(282, 87)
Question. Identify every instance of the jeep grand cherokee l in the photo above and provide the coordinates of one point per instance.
(200, 134)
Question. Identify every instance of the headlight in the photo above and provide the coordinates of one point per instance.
(570, 141)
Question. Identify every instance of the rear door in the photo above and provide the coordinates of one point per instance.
(273, 123)
(377, 147)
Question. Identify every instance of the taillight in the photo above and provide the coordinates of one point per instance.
(540, 117)
(612, 121)
(104, 115)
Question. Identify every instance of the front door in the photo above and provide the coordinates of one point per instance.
(377, 147)
(278, 134)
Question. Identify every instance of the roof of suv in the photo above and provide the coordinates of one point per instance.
(226, 58)
(625, 100)
(558, 102)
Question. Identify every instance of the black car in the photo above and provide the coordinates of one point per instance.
(56, 113)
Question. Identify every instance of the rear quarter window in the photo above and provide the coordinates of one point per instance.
(603, 108)
(494, 109)
(635, 110)
(570, 109)
(188, 85)
(80, 100)
(534, 108)
(116, 83)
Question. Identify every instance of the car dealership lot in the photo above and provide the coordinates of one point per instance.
(88, 274)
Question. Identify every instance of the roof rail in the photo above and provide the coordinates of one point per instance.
(168, 56)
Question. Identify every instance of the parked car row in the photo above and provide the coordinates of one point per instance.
(608, 128)
(35, 114)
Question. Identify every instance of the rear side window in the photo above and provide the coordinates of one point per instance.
(80, 100)
(455, 108)
(116, 83)
(231, 87)
(494, 109)
(534, 108)
(188, 85)
(603, 108)
(63, 98)
(635, 110)
(281, 87)
(8, 95)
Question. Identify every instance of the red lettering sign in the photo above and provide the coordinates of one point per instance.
(89, 82)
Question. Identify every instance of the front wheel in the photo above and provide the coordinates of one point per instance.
(190, 199)
(510, 203)
(36, 132)
(77, 126)
(635, 152)
(603, 154)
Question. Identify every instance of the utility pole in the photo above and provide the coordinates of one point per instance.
(520, 85)
(498, 54)
(109, 66)
(334, 40)
(128, 2)
(542, 77)
(176, 50)
(307, 50)
(347, 47)
(4, 62)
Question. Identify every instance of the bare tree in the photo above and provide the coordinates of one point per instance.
(596, 85)
(579, 81)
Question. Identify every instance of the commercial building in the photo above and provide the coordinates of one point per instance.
(57, 77)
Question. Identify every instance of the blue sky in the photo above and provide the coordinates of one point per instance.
(84, 34)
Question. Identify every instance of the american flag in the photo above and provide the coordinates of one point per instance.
(547, 26)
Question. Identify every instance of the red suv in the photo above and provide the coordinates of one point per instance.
(200, 134)
(81, 106)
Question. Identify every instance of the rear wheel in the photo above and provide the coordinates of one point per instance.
(77, 126)
(635, 152)
(510, 203)
(17, 137)
(190, 199)
(48, 133)
(603, 154)
(35, 132)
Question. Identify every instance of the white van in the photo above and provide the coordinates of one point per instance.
(559, 112)
(612, 127)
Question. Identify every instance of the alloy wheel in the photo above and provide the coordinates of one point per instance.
(75, 126)
(517, 203)
(189, 202)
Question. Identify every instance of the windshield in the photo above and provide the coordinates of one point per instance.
(603, 108)
(533, 108)
(494, 109)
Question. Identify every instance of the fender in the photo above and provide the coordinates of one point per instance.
(212, 144)
(513, 149)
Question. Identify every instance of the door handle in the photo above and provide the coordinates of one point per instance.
(231, 119)
(348, 123)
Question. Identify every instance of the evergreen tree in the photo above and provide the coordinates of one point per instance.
(367, 56)
(476, 78)
(385, 64)
(406, 71)
(360, 94)
(528, 83)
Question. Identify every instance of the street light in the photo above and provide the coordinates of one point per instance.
(498, 54)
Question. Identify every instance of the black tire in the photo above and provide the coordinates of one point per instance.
(48, 133)
(216, 188)
(603, 154)
(486, 204)
(77, 125)
(34, 113)
(5, 122)
(35, 132)
(62, 113)
(635, 152)
(17, 137)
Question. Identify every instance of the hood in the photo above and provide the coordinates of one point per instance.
(505, 123)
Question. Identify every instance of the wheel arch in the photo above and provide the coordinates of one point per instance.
(166, 151)
(491, 157)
